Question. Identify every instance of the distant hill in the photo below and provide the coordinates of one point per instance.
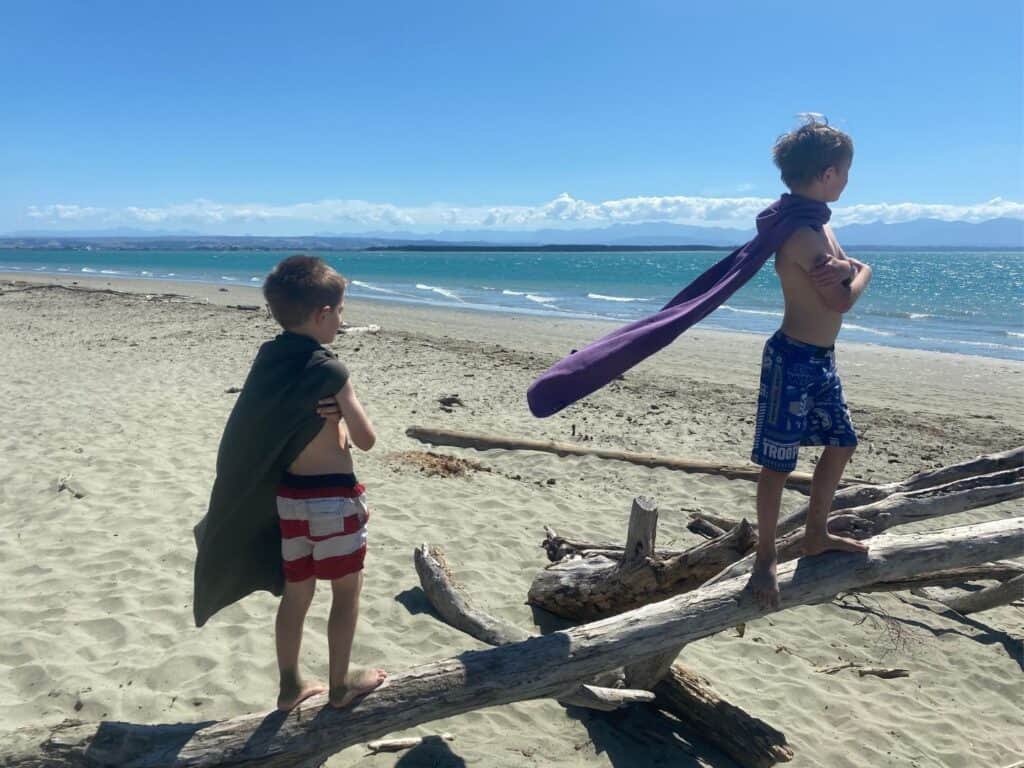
(920, 233)
(995, 233)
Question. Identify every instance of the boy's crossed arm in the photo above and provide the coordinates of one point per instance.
(839, 280)
(345, 405)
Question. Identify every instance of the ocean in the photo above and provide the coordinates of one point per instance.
(967, 302)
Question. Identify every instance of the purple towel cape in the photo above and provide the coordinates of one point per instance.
(581, 373)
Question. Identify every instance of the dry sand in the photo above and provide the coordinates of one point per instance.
(123, 397)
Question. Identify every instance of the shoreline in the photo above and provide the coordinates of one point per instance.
(583, 328)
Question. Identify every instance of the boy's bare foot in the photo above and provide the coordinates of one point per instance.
(295, 693)
(764, 583)
(829, 542)
(357, 683)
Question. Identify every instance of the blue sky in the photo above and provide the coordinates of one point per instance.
(343, 117)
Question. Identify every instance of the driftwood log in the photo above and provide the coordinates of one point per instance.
(585, 588)
(704, 522)
(606, 581)
(900, 508)
(859, 495)
(800, 481)
(683, 693)
(986, 599)
(539, 667)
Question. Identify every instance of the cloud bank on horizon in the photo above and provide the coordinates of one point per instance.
(563, 212)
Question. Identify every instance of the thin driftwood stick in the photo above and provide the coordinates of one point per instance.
(559, 547)
(397, 745)
(682, 692)
(800, 481)
(540, 667)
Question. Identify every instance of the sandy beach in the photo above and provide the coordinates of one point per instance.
(115, 398)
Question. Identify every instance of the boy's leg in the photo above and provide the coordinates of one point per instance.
(827, 475)
(291, 614)
(763, 582)
(341, 630)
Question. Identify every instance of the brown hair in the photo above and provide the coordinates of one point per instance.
(807, 152)
(299, 286)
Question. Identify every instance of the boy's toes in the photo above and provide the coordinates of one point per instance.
(356, 684)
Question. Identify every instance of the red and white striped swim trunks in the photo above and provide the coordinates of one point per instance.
(323, 525)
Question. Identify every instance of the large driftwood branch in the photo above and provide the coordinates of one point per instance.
(859, 495)
(985, 599)
(900, 509)
(540, 667)
(454, 606)
(950, 577)
(800, 481)
(749, 740)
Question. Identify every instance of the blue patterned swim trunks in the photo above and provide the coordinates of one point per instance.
(800, 403)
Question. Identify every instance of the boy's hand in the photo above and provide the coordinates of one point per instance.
(329, 409)
(832, 272)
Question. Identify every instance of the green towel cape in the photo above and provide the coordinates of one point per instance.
(273, 420)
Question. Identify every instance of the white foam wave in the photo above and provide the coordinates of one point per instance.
(875, 331)
(87, 269)
(985, 344)
(255, 279)
(751, 311)
(145, 272)
(918, 315)
(109, 272)
(540, 299)
(507, 292)
(602, 297)
(227, 277)
(1014, 333)
(443, 291)
(371, 287)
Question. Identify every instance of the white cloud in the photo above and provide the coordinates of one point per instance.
(564, 212)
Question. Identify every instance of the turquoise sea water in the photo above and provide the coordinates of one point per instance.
(966, 302)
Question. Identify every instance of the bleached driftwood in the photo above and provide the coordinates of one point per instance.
(536, 668)
(596, 586)
(985, 599)
(604, 692)
(902, 508)
(542, 667)
(397, 745)
(951, 577)
(798, 480)
(681, 692)
(859, 495)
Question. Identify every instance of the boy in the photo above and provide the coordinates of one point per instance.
(322, 508)
(286, 508)
(801, 398)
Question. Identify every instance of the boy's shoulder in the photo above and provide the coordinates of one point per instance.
(804, 246)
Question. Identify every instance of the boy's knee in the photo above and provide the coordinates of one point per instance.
(350, 582)
(774, 476)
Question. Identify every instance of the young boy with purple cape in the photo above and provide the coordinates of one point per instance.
(801, 400)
